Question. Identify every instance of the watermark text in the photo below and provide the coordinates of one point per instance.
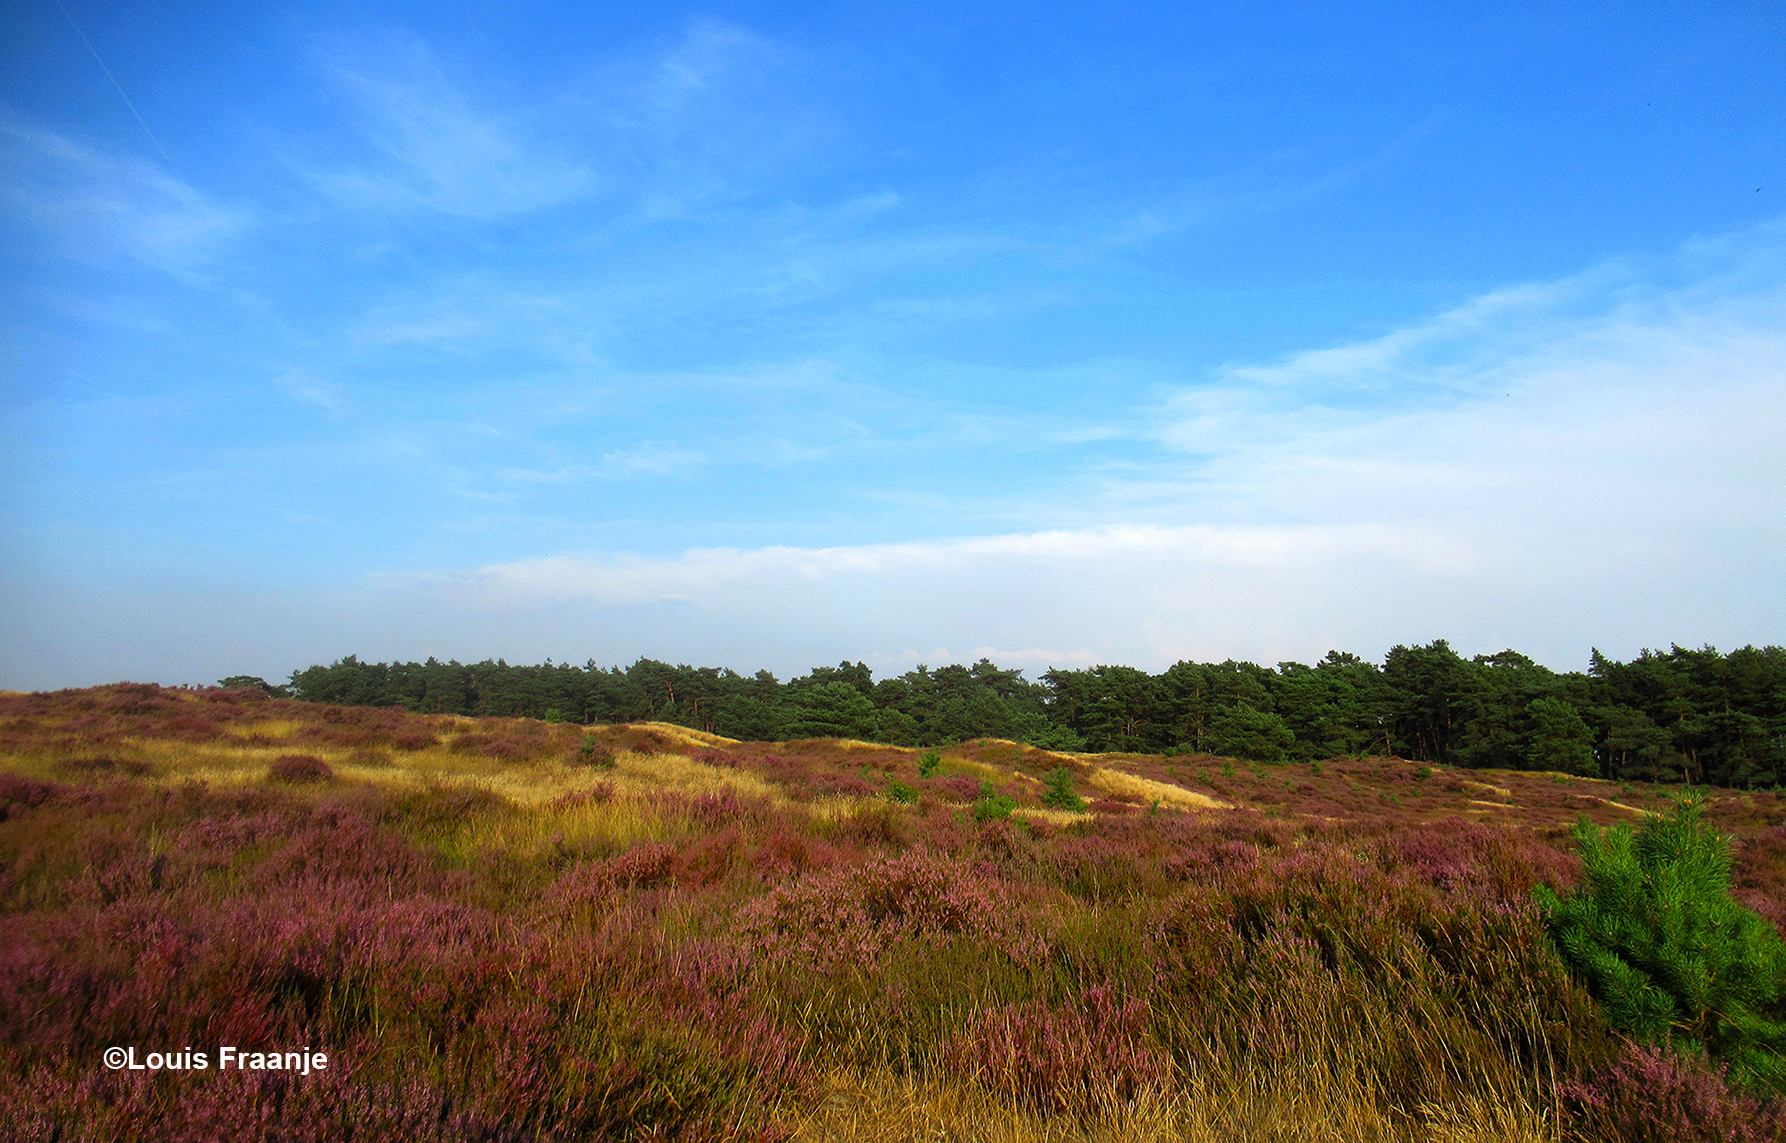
(228, 1057)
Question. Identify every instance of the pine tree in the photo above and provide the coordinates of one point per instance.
(1654, 934)
(1060, 793)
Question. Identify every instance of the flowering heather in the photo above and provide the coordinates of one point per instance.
(492, 945)
(1072, 1058)
(849, 916)
(299, 768)
(1647, 1095)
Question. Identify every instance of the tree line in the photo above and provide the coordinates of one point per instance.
(1682, 715)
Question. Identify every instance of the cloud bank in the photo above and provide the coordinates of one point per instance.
(1592, 462)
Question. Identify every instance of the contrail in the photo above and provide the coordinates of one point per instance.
(122, 94)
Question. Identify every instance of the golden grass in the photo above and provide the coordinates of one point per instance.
(270, 728)
(687, 736)
(1117, 782)
(641, 772)
(1052, 816)
(954, 765)
(1234, 1104)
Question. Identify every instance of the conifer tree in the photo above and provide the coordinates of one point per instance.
(1654, 934)
(1060, 793)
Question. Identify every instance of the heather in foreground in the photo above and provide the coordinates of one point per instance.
(505, 929)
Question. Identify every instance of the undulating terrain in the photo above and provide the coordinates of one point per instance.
(508, 929)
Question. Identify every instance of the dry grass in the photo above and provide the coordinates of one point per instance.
(1232, 1105)
(687, 736)
(1129, 785)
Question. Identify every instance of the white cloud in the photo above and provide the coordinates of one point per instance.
(1552, 467)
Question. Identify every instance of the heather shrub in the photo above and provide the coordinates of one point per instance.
(842, 786)
(1659, 942)
(951, 789)
(596, 883)
(849, 915)
(1651, 1095)
(299, 768)
(592, 796)
(1074, 1058)
(591, 751)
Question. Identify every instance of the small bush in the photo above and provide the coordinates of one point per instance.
(300, 768)
(1060, 793)
(902, 793)
(993, 807)
(592, 752)
(1655, 935)
(1423, 773)
(928, 763)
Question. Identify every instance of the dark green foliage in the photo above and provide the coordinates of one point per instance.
(1658, 940)
(993, 807)
(1242, 732)
(902, 793)
(1683, 715)
(250, 682)
(1560, 739)
(1060, 793)
(928, 762)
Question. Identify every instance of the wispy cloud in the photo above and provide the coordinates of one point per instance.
(1550, 467)
(100, 206)
(438, 151)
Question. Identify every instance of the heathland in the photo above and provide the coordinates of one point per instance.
(520, 929)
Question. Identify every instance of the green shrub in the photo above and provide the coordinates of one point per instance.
(1423, 773)
(1060, 793)
(902, 793)
(928, 762)
(993, 807)
(1658, 941)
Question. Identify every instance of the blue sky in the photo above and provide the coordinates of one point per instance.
(769, 336)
